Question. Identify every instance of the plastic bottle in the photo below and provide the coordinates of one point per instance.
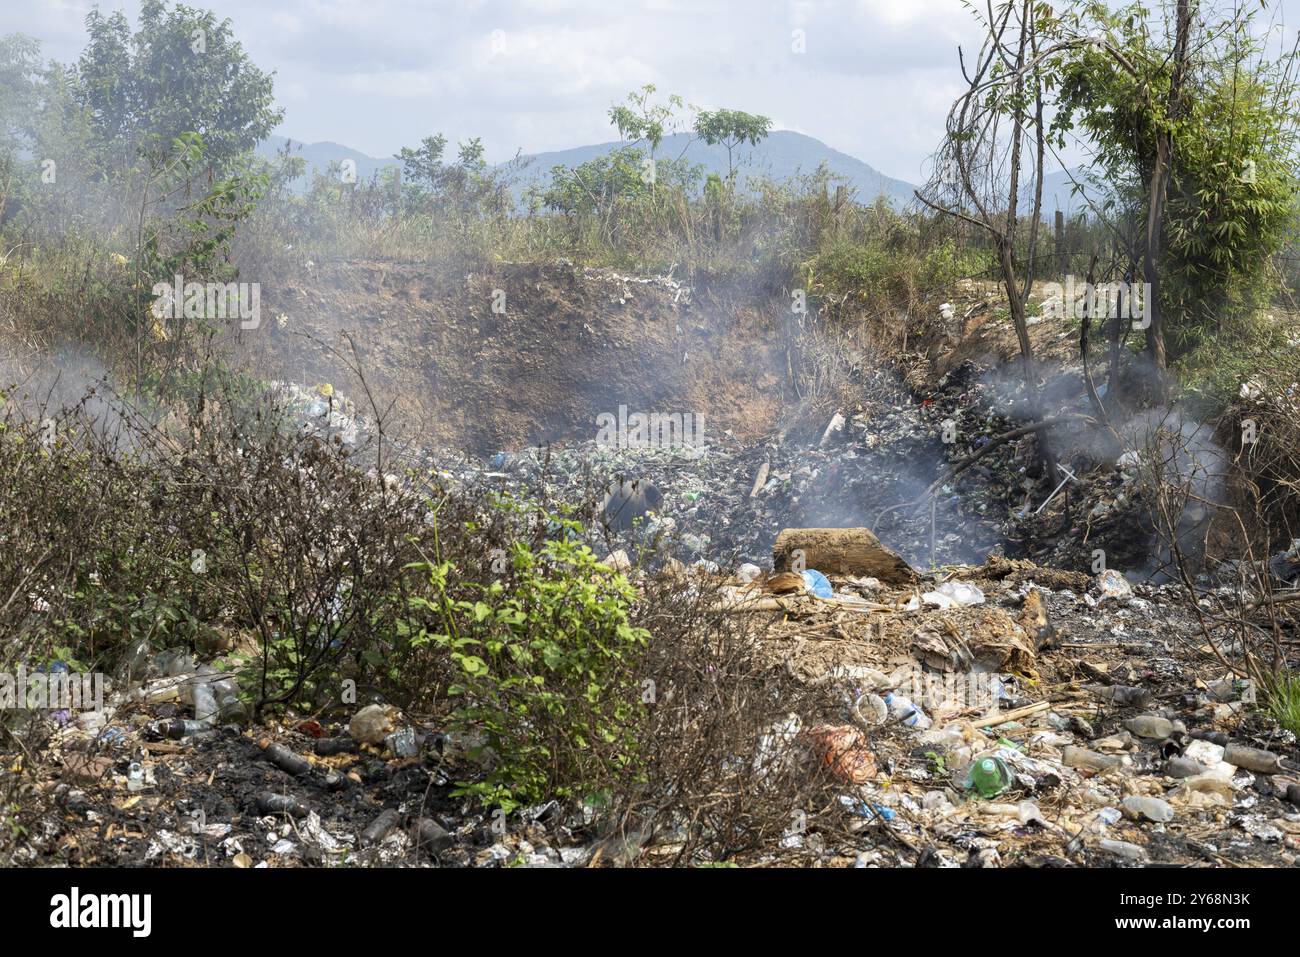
(177, 728)
(1253, 759)
(990, 776)
(1123, 849)
(1152, 809)
(1182, 766)
(377, 829)
(1073, 757)
(1123, 696)
(231, 707)
(286, 760)
(1150, 726)
(205, 702)
(904, 711)
(268, 803)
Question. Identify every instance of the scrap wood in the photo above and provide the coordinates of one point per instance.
(1014, 715)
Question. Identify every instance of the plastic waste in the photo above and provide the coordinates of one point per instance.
(269, 803)
(430, 837)
(989, 777)
(948, 595)
(1149, 808)
(1073, 757)
(817, 583)
(403, 743)
(286, 760)
(870, 710)
(205, 702)
(1253, 759)
(177, 728)
(905, 712)
(1122, 849)
(1151, 726)
(1111, 584)
(378, 829)
(328, 746)
(1124, 696)
(1182, 766)
(231, 709)
(371, 724)
(962, 594)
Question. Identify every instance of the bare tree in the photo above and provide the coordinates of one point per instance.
(994, 146)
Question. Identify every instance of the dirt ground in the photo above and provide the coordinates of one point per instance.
(524, 354)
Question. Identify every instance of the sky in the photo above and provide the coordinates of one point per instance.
(872, 78)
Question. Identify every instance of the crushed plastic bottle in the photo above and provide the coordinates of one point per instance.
(905, 712)
(989, 776)
(204, 701)
(1111, 584)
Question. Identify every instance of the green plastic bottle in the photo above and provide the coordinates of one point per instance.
(989, 777)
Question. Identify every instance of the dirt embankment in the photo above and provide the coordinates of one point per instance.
(525, 354)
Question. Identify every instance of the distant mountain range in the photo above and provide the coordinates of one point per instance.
(783, 155)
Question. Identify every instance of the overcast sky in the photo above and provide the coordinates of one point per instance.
(875, 79)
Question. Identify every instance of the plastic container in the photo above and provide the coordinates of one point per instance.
(231, 707)
(905, 712)
(1073, 757)
(1253, 759)
(1150, 726)
(205, 702)
(989, 776)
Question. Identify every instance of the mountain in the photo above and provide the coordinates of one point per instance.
(782, 155)
(320, 155)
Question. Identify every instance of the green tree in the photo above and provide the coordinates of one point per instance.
(643, 119)
(19, 85)
(1192, 126)
(732, 129)
(182, 71)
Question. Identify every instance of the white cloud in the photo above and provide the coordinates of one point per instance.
(875, 82)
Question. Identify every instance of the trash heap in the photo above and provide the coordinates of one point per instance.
(1008, 714)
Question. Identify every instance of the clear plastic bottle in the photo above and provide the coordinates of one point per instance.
(903, 710)
(1073, 757)
(205, 702)
(231, 707)
(1148, 808)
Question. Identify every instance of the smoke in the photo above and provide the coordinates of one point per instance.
(1173, 459)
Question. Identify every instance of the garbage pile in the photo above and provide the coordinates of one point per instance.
(1016, 715)
(170, 771)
